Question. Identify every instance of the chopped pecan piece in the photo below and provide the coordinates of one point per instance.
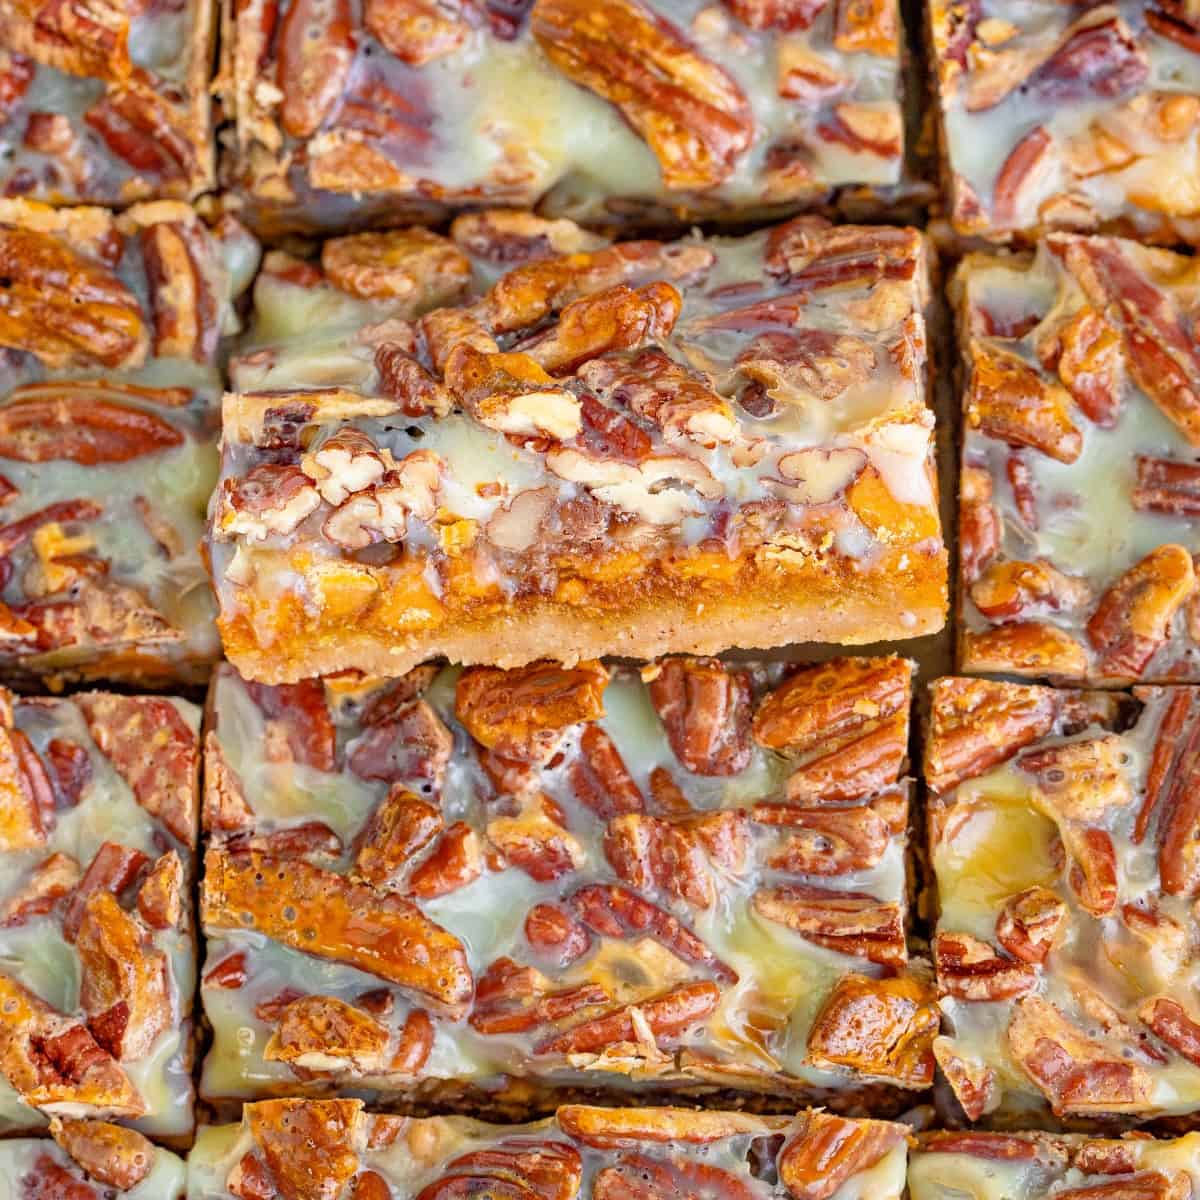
(535, 839)
(828, 1151)
(401, 825)
(826, 841)
(1086, 351)
(1018, 589)
(52, 880)
(225, 808)
(417, 31)
(323, 1033)
(880, 1027)
(28, 798)
(599, 778)
(1178, 850)
(185, 305)
(512, 394)
(1133, 618)
(1022, 173)
(160, 898)
(301, 712)
(510, 236)
(1081, 780)
(849, 923)
(978, 523)
(54, 1064)
(455, 860)
(316, 52)
(403, 378)
(705, 708)
(776, 14)
(323, 914)
(64, 308)
(411, 269)
(522, 714)
(1143, 1185)
(1076, 1074)
(1169, 1021)
(113, 868)
(307, 1144)
(620, 318)
(412, 746)
(665, 1017)
(969, 969)
(1007, 399)
(552, 931)
(617, 912)
(124, 986)
(1025, 647)
(866, 27)
(271, 498)
(1029, 922)
(642, 1177)
(110, 1154)
(807, 366)
(511, 998)
(153, 749)
(616, 1128)
(975, 1084)
(689, 110)
(679, 401)
(1167, 486)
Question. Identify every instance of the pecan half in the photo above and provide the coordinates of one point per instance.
(512, 394)
(849, 923)
(828, 841)
(971, 970)
(1086, 351)
(978, 724)
(1167, 486)
(705, 709)
(1133, 618)
(535, 839)
(537, 1168)
(694, 117)
(1178, 846)
(523, 714)
(411, 746)
(72, 423)
(879, 1027)
(1022, 174)
(1034, 648)
(401, 825)
(511, 998)
(551, 931)
(1171, 1023)
(182, 297)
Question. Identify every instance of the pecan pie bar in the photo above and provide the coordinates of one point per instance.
(1081, 463)
(90, 1160)
(110, 328)
(681, 880)
(98, 817)
(669, 110)
(1029, 1166)
(606, 449)
(105, 101)
(1072, 117)
(310, 1150)
(1063, 833)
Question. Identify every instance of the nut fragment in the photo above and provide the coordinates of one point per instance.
(417, 31)
(512, 393)
(971, 970)
(705, 708)
(828, 1151)
(1029, 922)
(412, 270)
(849, 923)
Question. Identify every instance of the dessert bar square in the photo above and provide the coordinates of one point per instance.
(621, 112)
(1080, 481)
(1070, 117)
(89, 1160)
(97, 946)
(106, 102)
(624, 449)
(332, 1147)
(1062, 828)
(110, 330)
(1028, 1166)
(496, 884)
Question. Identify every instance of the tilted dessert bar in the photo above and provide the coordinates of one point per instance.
(1070, 117)
(105, 102)
(634, 449)
(110, 328)
(1062, 830)
(489, 883)
(305, 1150)
(1081, 463)
(97, 949)
(90, 1160)
(1029, 1166)
(671, 110)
